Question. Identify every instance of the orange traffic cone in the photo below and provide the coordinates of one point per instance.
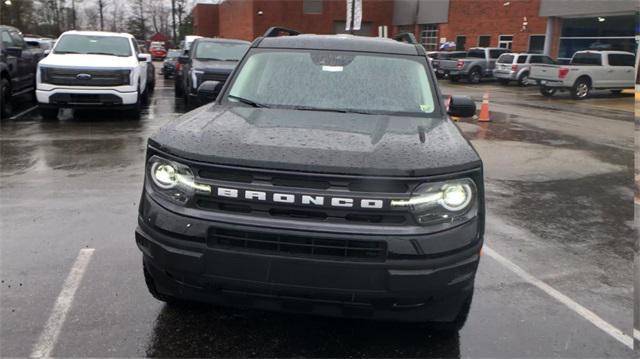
(484, 109)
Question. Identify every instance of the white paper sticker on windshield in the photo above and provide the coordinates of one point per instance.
(332, 68)
(426, 108)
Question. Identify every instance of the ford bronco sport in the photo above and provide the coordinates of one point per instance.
(325, 179)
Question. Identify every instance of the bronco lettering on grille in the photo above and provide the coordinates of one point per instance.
(290, 198)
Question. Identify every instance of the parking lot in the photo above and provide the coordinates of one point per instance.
(556, 279)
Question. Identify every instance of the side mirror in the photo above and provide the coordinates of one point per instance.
(14, 51)
(183, 59)
(461, 106)
(208, 91)
(144, 57)
(47, 52)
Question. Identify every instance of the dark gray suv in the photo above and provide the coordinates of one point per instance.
(325, 179)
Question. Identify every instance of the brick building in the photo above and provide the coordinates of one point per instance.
(555, 27)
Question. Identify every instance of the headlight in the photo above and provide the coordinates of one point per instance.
(452, 201)
(173, 180)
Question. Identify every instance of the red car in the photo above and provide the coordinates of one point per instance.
(158, 52)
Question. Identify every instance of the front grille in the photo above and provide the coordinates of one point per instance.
(305, 183)
(76, 77)
(303, 246)
(213, 76)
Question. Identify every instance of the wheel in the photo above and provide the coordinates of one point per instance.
(6, 107)
(178, 88)
(148, 280)
(503, 82)
(188, 102)
(581, 88)
(49, 113)
(457, 324)
(474, 76)
(454, 78)
(136, 111)
(523, 80)
(145, 98)
(547, 91)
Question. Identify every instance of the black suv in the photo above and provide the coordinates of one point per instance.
(18, 65)
(208, 59)
(326, 179)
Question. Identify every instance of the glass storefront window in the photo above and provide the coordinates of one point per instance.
(597, 33)
(569, 46)
(599, 26)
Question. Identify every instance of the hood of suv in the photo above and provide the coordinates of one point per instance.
(214, 66)
(314, 141)
(89, 61)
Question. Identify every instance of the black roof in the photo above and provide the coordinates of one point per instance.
(340, 43)
(217, 39)
(7, 27)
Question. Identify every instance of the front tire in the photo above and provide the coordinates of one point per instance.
(49, 114)
(475, 76)
(460, 319)
(581, 89)
(6, 107)
(547, 91)
(148, 280)
(523, 80)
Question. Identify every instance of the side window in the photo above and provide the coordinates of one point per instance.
(7, 40)
(494, 54)
(547, 60)
(522, 59)
(621, 60)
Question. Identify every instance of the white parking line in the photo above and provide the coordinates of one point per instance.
(23, 112)
(636, 334)
(49, 336)
(570, 303)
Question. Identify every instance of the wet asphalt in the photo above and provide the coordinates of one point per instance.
(559, 177)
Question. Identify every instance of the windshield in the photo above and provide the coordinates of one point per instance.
(173, 54)
(99, 45)
(223, 51)
(335, 81)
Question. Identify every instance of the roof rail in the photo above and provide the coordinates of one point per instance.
(277, 31)
(406, 37)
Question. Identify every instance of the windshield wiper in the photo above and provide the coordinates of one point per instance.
(59, 52)
(104, 53)
(339, 110)
(248, 102)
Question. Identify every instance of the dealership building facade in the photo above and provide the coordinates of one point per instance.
(554, 27)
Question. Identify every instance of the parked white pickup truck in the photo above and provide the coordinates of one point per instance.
(588, 70)
(90, 69)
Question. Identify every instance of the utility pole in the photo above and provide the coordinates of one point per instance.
(73, 14)
(173, 25)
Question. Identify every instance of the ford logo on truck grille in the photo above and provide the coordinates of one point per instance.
(83, 77)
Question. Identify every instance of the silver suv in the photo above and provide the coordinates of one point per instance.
(516, 67)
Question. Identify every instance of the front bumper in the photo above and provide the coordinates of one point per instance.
(89, 98)
(184, 263)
